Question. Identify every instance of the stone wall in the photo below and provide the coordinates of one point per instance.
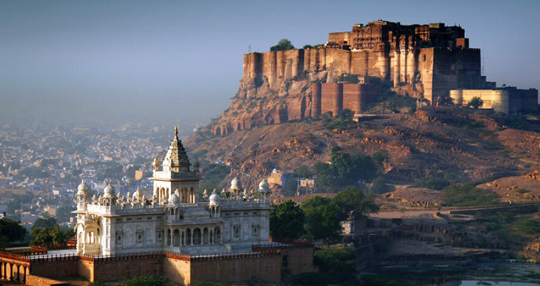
(236, 269)
(334, 97)
(299, 259)
(127, 267)
(177, 268)
(55, 267)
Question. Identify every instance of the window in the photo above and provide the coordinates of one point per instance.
(255, 230)
(139, 218)
(159, 236)
(158, 217)
(118, 219)
(149, 218)
(128, 219)
(139, 236)
(285, 262)
(118, 239)
(236, 231)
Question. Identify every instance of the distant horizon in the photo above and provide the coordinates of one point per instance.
(75, 62)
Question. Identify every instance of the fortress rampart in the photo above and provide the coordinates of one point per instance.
(437, 56)
(428, 60)
(334, 97)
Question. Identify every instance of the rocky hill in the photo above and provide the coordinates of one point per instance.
(431, 141)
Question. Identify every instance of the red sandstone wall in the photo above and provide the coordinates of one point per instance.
(316, 99)
(86, 269)
(425, 69)
(127, 268)
(266, 268)
(338, 61)
(296, 108)
(300, 260)
(332, 98)
(352, 97)
(177, 270)
(455, 68)
(55, 268)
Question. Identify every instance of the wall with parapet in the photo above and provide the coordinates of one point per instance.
(55, 268)
(257, 266)
(439, 69)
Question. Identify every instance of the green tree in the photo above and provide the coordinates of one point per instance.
(475, 102)
(322, 220)
(45, 222)
(302, 172)
(380, 156)
(340, 262)
(283, 45)
(48, 237)
(344, 170)
(291, 187)
(378, 186)
(10, 231)
(352, 200)
(287, 221)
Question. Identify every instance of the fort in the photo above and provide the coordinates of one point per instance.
(435, 55)
(424, 61)
(429, 59)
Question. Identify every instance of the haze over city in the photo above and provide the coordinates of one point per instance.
(179, 62)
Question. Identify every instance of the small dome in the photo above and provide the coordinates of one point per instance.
(174, 200)
(235, 184)
(214, 199)
(83, 188)
(108, 192)
(264, 187)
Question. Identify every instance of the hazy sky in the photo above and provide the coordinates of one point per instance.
(63, 61)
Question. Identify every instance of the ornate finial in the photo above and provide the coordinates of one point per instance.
(176, 131)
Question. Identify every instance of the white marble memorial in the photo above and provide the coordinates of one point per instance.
(175, 218)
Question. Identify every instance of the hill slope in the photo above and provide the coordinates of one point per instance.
(430, 142)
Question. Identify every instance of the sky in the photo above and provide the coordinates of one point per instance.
(180, 62)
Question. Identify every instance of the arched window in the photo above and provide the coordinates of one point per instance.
(217, 235)
(176, 238)
(205, 236)
(197, 236)
(188, 236)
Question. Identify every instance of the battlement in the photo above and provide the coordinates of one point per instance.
(435, 55)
